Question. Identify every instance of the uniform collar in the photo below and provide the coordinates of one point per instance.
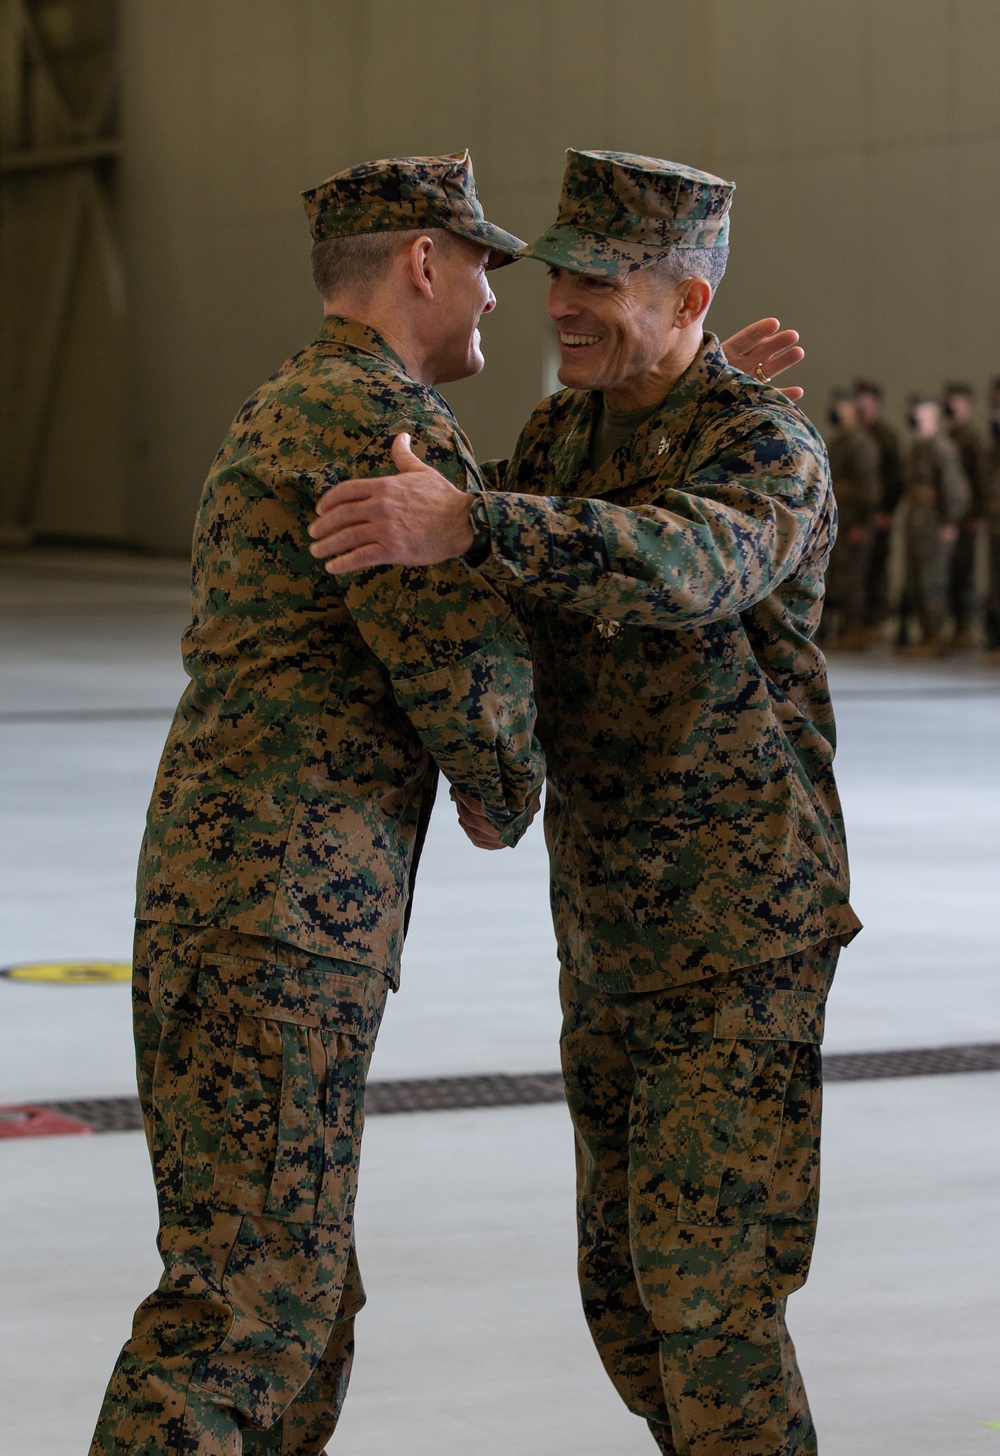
(348, 333)
(661, 436)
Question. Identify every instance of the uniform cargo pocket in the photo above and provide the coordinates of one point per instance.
(284, 1082)
(753, 1153)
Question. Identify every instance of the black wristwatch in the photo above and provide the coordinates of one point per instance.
(482, 541)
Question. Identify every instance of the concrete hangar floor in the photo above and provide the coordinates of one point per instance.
(473, 1338)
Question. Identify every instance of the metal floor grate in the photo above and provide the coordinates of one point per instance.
(981, 1056)
(441, 1094)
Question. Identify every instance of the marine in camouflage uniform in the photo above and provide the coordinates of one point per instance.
(991, 510)
(936, 497)
(276, 871)
(972, 453)
(699, 873)
(890, 471)
(854, 467)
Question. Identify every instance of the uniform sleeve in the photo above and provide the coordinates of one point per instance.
(869, 482)
(457, 658)
(956, 492)
(494, 474)
(722, 541)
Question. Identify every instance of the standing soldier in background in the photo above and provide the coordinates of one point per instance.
(854, 462)
(991, 510)
(285, 825)
(665, 522)
(963, 593)
(937, 497)
(890, 471)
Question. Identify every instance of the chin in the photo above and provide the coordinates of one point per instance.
(472, 364)
(573, 377)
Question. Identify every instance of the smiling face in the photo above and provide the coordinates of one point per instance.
(630, 336)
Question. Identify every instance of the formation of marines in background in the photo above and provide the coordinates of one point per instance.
(919, 534)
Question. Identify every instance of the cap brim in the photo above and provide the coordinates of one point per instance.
(504, 247)
(564, 246)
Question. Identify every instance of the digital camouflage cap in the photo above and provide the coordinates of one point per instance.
(401, 193)
(619, 211)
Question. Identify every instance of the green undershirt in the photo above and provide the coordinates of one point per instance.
(612, 429)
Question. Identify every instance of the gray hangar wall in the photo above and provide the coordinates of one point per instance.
(864, 141)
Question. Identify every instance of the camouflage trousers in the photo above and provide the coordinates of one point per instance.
(877, 592)
(847, 581)
(252, 1058)
(697, 1119)
(992, 612)
(962, 577)
(928, 563)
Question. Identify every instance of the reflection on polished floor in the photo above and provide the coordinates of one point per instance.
(473, 1338)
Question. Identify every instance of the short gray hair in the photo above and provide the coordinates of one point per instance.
(680, 263)
(357, 264)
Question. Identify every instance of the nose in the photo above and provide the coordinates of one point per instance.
(560, 303)
(491, 300)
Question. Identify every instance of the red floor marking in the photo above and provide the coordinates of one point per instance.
(28, 1121)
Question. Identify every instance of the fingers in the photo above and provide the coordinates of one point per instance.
(402, 455)
(474, 822)
(337, 519)
(793, 393)
(338, 539)
(346, 491)
(754, 334)
(783, 359)
(360, 559)
(780, 339)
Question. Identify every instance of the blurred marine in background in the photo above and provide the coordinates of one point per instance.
(991, 509)
(285, 825)
(964, 597)
(937, 498)
(890, 471)
(857, 488)
(663, 525)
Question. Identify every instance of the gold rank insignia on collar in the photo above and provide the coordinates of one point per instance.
(607, 630)
(664, 445)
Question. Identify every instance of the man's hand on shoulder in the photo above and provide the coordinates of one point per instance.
(415, 518)
(765, 350)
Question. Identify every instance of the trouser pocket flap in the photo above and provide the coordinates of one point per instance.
(766, 1014)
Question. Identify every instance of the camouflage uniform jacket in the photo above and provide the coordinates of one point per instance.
(935, 478)
(854, 462)
(299, 771)
(890, 463)
(691, 812)
(972, 454)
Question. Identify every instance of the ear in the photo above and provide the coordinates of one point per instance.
(422, 266)
(694, 296)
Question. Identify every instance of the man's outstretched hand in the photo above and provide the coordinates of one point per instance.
(768, 345)
(415, 518)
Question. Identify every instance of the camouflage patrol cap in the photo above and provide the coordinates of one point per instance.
(619, 211)
(400, 193)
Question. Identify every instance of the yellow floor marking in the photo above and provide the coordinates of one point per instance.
(71, 973)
